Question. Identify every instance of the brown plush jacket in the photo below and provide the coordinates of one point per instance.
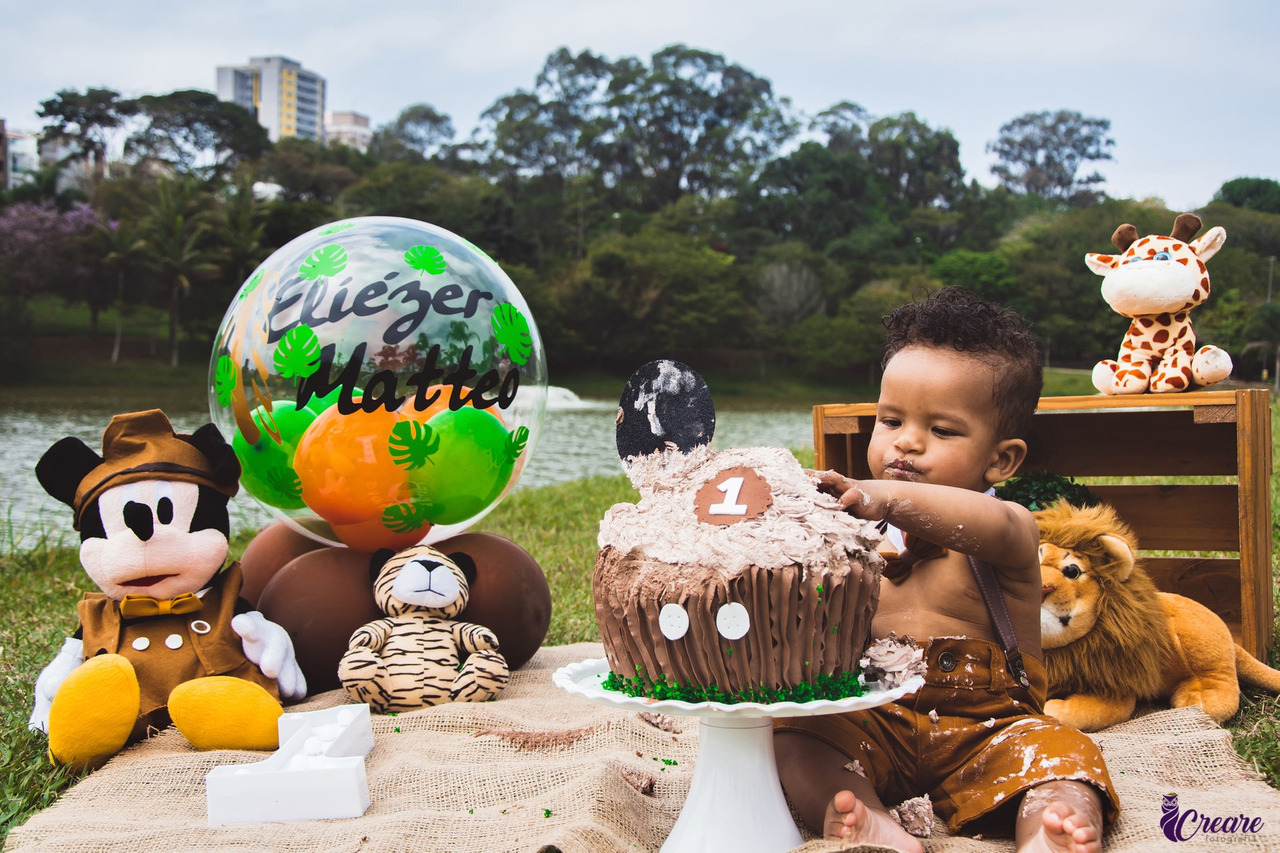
(212, 650)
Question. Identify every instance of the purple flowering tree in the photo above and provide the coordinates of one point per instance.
(43, 250)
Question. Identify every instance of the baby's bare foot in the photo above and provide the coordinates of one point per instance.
(1064, 829)
(848, 819)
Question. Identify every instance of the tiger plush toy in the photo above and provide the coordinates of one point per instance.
(418, 656)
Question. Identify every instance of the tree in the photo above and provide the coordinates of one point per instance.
(47, 248)
(176, 228)
(691, 122)
(42, 250)
(1253, 193)
(789, 289)
(915, 165)
(122, 251)
(543, 146)
(417, 134)
(237, 237)
(84, 124)
(656, 291)
(197, 134)
(848, 345)
(845, 126)
(43, 187)
(468, 204)
(239, 224)
(987, 274)
(307, 171)
(1263, 332)
(816, 194)
(552, 130)
(1042, 153)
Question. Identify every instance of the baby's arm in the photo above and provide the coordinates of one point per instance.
(999, 532)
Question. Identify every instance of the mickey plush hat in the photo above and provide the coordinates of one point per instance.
(143, 446)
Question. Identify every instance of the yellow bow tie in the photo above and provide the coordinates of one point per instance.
(140, 606)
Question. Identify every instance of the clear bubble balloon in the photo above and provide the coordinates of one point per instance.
(382, 382)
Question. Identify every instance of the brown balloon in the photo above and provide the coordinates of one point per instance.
(321, 598)
(269, 552)
(509, 596)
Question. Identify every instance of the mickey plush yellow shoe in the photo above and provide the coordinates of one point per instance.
(93, 712)
(223, 712)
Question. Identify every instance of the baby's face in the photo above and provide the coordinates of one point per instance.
(935, 420)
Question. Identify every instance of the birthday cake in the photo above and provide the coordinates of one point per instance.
(733, 579)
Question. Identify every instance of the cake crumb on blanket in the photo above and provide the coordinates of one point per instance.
(665, 722)
(523, 741)
(642, 782)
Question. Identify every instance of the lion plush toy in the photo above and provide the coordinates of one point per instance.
(419, 656)
(1111, 638)
(1156, 281)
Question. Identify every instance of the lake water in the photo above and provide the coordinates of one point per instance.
(577, 440)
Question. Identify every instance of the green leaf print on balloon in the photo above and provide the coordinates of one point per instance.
(426, 259)
(325, 261)
(511, 329)
(412, 443)
(225, 377)
(298, 353)
(404, 518)
(516, 442)
(337, 227)
(252, 284)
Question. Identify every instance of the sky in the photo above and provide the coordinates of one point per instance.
(1190, 88)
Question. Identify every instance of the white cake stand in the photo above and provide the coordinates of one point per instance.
(735, 802)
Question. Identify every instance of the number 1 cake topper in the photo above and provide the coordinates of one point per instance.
(665, 406)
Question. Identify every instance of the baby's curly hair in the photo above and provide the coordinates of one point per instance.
(957, 318)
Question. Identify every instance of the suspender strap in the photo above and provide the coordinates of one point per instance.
(990, 589)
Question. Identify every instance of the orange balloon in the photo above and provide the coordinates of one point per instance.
(373, 535)
(346, 469)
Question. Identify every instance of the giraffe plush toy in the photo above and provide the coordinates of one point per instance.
(1157, 280)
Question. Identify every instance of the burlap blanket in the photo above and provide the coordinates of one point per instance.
(542, 770)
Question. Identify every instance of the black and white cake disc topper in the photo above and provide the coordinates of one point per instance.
(665, 406)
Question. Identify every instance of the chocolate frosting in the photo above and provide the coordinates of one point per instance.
(806, 577)
(893, 661)
(802, 526)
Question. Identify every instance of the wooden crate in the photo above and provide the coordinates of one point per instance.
(1162, 439)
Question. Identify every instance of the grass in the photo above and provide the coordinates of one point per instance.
(39, 585)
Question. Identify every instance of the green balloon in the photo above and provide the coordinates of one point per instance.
(266, 468)
(468, 470)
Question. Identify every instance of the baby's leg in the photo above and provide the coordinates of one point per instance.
(1060, 816)
(843, 803)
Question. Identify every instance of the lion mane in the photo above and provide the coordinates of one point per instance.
(1129, 647)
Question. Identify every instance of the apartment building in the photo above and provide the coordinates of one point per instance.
(287, 99)
(348, 128)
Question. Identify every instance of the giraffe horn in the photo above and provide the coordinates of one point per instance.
(1185, 226)
(1124, 236)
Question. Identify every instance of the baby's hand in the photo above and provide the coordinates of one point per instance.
(831, 483)
(849, 495)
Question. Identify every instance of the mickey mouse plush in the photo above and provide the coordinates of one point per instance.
(165, 639)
